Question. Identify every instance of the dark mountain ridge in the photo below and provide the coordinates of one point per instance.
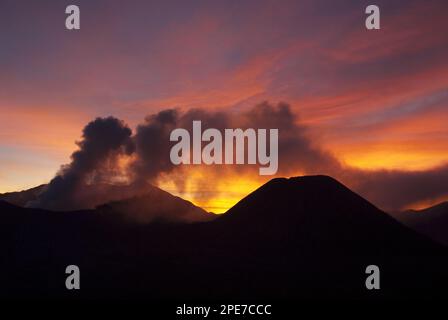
(297, 238)
(323, 209)
(21, 198)
(432, 221)
(131, 203)
(156, 205)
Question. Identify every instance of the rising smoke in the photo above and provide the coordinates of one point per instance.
(76, 184)
(89, 179)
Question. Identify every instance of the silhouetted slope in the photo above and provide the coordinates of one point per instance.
(321, 209)
(91, 196)
(432, 221)
(307, 237)
(21, 198)
(131, 203)
(158, 205)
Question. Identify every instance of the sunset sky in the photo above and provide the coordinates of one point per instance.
(374, 99)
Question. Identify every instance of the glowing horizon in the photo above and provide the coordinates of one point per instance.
(374, 101)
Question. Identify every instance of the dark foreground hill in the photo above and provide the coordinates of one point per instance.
(432, 221)
(307, 237)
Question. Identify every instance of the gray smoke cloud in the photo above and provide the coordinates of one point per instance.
(153, 144)
(86, 183)
(102, 141)
(389, 189)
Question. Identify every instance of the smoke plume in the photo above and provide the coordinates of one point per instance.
(89, 179)
(103, 140)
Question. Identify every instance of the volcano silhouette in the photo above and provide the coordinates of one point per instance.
(305, 237)
(320, 210)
